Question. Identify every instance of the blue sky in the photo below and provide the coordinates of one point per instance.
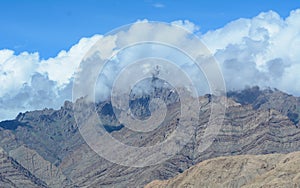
(49, 26)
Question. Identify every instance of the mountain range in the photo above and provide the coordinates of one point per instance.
(44, 148)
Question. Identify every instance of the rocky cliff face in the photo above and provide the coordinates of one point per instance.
(12, 174)
(247, 171)
(270, 99)
(48, 145)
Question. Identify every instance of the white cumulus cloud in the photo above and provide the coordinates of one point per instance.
(28, 82)
(263, 51)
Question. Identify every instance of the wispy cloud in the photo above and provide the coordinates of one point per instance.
(158, 5)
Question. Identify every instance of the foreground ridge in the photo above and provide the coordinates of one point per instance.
(271, 170)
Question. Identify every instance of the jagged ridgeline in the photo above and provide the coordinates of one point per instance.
(140, 98)
(47, 149)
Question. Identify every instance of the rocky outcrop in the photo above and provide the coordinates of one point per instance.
(246, 171)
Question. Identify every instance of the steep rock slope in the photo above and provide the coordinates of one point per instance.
(12, 174)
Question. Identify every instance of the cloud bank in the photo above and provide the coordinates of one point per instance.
(29, 83)
(260, 51)
(263, 50)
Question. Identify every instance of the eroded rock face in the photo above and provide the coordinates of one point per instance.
(271, 170)
(270, 99)
(38, 166)
(12, 174)
(52, 140)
